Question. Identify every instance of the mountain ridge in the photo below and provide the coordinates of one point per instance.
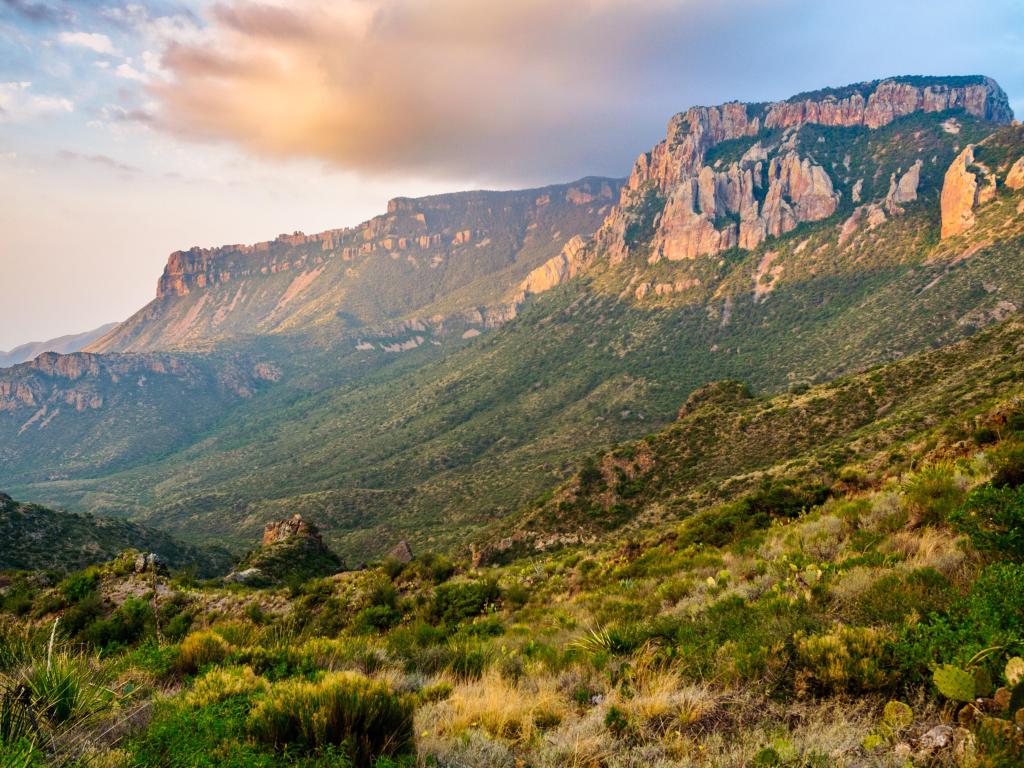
(73, 342)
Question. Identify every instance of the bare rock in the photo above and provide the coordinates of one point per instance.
(281, 530)
(939, 737)
(959, 195)
(402, 552)
(1015, 177)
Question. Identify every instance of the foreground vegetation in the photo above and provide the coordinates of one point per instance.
(866, 610)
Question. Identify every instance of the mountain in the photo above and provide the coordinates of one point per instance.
(779, 245)
(727, 443)
(447, 263)
(37, 538)
(62, 344)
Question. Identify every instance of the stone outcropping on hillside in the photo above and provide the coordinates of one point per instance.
(769, 190)
(967, 185)
(80, 381)
(290, 549)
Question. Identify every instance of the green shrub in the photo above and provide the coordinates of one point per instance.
(933, 494)
(896, 596)
(453, 603)
(131, 622)
(990, 615)
(1009, 467)
(364, 716)
(994, 519)
(845, 659)
(200, 649)
(78, 586)
(66, 688)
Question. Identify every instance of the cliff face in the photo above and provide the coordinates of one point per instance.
(698, 209)
(428, 260)
(977, 176)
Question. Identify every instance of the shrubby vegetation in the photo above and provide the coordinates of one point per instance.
(821, 618)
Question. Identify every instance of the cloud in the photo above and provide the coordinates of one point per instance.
(525, 91)
(19, 104)
(97, 159)
(37, 12)
(436, 87)
(94, 41)
(128, 72)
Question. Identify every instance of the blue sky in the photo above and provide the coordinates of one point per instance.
(130, 129)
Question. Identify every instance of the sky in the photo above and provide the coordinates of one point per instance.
(132, 129)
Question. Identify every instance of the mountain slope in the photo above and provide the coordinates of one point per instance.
(442, 263)
(436, 444)
(36, 538)
(726, 442)
(63, 345)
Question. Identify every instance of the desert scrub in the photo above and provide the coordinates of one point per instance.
(514, 713)
(993, 517)
(223, 683)
(342, 708)
(200, 649)
(844, 659)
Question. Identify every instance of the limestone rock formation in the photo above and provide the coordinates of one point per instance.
(420, 252)
(965, 186)
(1015, 176)
(282, 530)
(770, 189)
(556, 270)
(905, 189)
(290, 549)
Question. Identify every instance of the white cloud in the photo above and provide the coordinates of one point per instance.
(94, 41)
(128, 72)
(18, 103)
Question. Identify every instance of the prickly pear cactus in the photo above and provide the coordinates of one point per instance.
(1014, 671)
(897, 716)
(954, 683)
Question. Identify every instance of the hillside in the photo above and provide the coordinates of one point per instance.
(36, 538)
(62, 344)
(726, 442)
(859, 608)
(446, 264)
(833, 262)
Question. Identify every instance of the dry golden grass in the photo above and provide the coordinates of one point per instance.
(515, 713)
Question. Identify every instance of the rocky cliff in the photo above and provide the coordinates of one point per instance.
(977, 176)
(677, 205)
(455, 258)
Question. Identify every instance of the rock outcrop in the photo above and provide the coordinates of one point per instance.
(905, 189)
(707, 208)
(402, 552)
(290, 549)
(1015, 176)
(965, 186)
(556, 270)
(417, 252)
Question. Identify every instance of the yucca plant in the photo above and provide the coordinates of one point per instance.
(66, 688)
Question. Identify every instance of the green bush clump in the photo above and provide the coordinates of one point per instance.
(933, 494)
(896, 596)
(729, 523)
(363, 716)
(993, 517)
(79, 586)
(200, 649)
(453, 603)
(1009, 467)
(131, 622)
(850, 659)
(991, 615)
